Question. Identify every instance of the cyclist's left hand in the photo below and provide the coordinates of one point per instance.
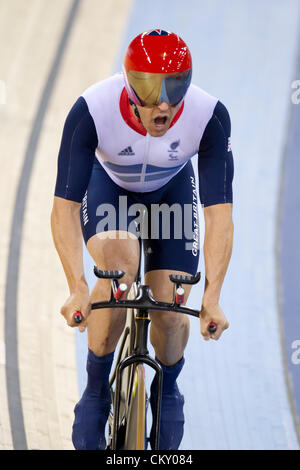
(212, 313)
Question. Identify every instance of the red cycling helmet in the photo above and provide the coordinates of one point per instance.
(157, 67)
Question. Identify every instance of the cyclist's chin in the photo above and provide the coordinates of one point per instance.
(157, 131)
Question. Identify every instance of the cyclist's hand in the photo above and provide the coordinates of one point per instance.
(79, 301)
(212, 314)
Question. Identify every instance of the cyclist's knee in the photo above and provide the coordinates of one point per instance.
(115, 250)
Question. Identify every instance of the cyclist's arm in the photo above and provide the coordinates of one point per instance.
(215, 167)
(66, 232)
(75, 161)
(217, 249)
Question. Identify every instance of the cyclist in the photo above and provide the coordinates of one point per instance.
(127, 143)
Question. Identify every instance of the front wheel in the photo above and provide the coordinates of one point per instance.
(135, 438)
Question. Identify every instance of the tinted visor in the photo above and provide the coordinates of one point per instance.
(151, 89)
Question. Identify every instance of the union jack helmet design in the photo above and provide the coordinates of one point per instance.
(157, 67)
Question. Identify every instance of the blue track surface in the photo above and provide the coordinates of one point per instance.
(245, 54)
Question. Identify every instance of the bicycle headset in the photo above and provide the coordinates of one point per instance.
(157, 67)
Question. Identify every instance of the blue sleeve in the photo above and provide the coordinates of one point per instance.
(77, 153)
(215, 160)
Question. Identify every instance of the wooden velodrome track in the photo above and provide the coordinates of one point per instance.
(38, 380)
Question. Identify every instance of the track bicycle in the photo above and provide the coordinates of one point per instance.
(127, 425)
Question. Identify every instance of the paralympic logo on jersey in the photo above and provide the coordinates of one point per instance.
(157, 221)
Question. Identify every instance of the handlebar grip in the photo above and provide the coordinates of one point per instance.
(212, 327)
(77, 317)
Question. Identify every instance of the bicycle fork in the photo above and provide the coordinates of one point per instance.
(140, 355)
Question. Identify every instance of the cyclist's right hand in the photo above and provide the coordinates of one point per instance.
(78, 301)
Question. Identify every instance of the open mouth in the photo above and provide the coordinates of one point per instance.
(160, 122)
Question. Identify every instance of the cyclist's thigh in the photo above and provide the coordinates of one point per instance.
(173, 242)
(104, 209)
(173, 237)
(112, 248)
(105, 223)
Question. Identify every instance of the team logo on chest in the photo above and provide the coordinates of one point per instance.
(173, 152)
(127, 151)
